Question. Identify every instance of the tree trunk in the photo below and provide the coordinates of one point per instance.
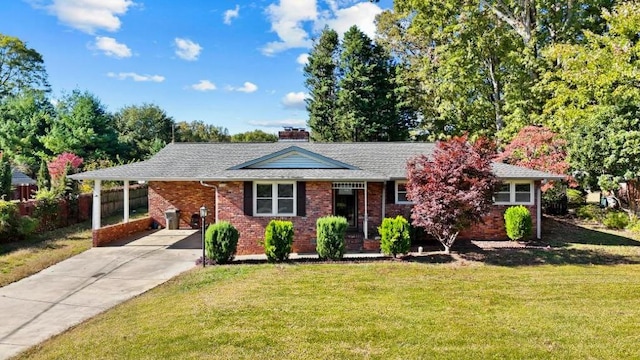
(447, 249)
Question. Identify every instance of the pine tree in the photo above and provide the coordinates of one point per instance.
(321, 81)
(5, 178)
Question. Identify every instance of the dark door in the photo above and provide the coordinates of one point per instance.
(346, 206)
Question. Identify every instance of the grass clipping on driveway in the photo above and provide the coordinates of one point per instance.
(384, 310)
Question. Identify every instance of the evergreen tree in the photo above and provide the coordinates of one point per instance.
(321, 81)
(44, 178)
(5, 178)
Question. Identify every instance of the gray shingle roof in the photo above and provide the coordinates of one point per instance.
(19, 178)
(212, 161)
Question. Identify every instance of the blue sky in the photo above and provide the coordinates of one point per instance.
(236, 64)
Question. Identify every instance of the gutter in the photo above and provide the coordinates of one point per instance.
(215, 198)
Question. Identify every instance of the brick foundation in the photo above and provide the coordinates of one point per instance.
(107, 234)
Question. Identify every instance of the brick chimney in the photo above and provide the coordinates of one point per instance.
(293, 134)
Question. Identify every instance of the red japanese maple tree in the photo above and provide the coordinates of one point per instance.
(538, 148)
(58, 164)
(452, 189)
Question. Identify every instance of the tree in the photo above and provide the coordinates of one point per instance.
(451, 190)
(198, 131)
(84, 127)
(594, 96)
(142, 129)
(58, 165)
(537, 148)
(24, 119)
(321, 81)
(365, 101)
(44, 177)
(5, 178)
(21, 67)
(254, 136)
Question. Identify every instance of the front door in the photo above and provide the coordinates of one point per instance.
(346, 205)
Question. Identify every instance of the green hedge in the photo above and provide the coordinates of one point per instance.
(394, 236)
(221, 240)
(616, 220)
(14, 227)
(278, 240)
(330, 231)
(518, 222)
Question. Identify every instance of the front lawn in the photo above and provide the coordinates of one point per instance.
(378, 310)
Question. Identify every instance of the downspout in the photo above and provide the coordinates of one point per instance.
(366, 211)
(539, 213)
(215, 199)
(384, 199)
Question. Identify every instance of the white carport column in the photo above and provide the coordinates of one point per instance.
(125, 218)
(365, 221)
(95, 221)
(539, 213)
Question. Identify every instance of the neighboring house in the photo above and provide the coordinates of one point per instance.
(248, 184)
(23, 185)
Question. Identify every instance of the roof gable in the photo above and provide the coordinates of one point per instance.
(294, 157)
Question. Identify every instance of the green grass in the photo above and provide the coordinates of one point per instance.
(580, 298)
(24, 258)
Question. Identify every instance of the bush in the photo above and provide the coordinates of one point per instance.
(616, 220)
(14, 227)
(634, 224)
(330, 237)
(589, 212)
(575, 197)
(517, 221)
(221, 240)
(278, 240)
(394, 236)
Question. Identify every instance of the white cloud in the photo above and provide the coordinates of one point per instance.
(362, 15)
(87, 15)
(295, 100)
(231, 14)
(279, 123)
(287, 19)
(204, 85)
(248, 87)
(136, 77)
(303, 59)
(187, 49)
(111, 47)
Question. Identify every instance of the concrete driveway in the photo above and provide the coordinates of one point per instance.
(40, 306)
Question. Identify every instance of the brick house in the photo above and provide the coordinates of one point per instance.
(248, 184)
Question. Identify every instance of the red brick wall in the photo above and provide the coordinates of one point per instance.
(111, 233)
(186, 196)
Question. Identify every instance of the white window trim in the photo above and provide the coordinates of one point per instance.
(512, 193)
(274, 197)
(396, 193)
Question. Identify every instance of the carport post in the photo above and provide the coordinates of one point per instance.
(126, 201)
(95, 221)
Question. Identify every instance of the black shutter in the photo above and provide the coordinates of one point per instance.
(301, 204)
(391, 192)
(248, 198)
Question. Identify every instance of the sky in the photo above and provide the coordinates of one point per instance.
(235, 64)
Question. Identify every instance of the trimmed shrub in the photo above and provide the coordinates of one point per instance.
(518, 222)
(394, 236)
(221, 242)
(575, 197)
(589, 212)
(616, 220)
(278, 240)
(330, 231)
(14, 227)
(634, 224)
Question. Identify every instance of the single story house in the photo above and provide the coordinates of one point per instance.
(24, 185)
(248, 184)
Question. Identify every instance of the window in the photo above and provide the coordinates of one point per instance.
(514, 192)
(275, 198)
(401, 193)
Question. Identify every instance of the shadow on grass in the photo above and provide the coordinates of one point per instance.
(551, 256)
(560, 232)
